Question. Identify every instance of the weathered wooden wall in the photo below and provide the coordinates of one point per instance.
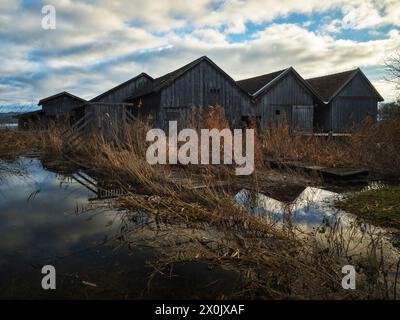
(120, 93)
(202, 86)
(347, 112)
(348, 109)
(353, 104)
(276, 105)
(107, 120)
(147, 108)
(60, 107)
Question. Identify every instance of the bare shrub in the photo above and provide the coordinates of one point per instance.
(377, 145)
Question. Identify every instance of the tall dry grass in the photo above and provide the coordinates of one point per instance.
(280, 143)
(373, 145)
(15, 142)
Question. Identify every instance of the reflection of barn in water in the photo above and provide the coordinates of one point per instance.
(99, 186)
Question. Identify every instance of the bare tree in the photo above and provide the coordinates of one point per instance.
(392, 64)
(391, 109)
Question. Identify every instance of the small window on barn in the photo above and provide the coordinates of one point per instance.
(277, 112)
(214, 90)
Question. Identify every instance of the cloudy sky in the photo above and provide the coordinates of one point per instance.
(98, 44)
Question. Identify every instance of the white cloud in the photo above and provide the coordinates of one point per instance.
(387, 89)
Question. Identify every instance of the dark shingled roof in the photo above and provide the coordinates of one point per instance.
(252, 85)
(64, 93)
(327, 86)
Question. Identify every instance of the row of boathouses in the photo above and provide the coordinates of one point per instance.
(331, 103)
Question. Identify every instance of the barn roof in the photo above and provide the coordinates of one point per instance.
(258, 85)
(167, 79)
(58, 95)
(252, 85)
(143, 74)
(329, 86)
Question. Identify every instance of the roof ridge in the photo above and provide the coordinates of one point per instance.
(265, 74)
(56, 95)
(335, 74)
(255, 84)
(121, 84)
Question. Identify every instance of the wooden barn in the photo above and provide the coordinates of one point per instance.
(201, 83)
(107, 112)
(281, 96)
(60, 105)
(335, 102)
(344, 100)
(56, 108)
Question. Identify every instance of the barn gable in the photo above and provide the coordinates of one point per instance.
(200, 83)
(259, 85)
(352, 82)
(205, 85)
(282, 96)
(347, 98)
(359, 86)
(124, 90)
(254, 84)
(60, 104)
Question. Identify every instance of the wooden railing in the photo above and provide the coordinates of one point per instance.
(108, 120)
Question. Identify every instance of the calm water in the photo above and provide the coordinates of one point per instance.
(42, 221)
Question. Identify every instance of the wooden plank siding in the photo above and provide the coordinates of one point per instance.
(344, 108)
(60, 107)
(202, 86)
(348, 113)
(108, 120)
(120, 93)
(277, 104)
(348, 109)
(353, 104)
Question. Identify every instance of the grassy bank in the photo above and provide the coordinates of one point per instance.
(379, 207)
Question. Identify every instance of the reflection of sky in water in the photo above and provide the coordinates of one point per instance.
(39, 225)
(314, 210)
(38, 215)
(312, 207)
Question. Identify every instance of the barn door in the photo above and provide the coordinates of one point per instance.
(302, 118)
